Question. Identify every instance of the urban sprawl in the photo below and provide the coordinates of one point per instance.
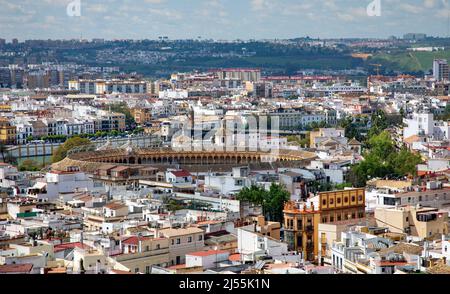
(229, 169)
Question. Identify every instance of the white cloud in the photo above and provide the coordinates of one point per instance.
(410, 8)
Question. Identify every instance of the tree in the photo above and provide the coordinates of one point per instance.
(29, 165)
(297, 140)
(445, 114)
(379, 123)
(71, 143)
(254, 194)
(405, 163)
(383, 160)
(124, 109)
(352, 128)
(272, 201)
(381, 145)
(276, 198)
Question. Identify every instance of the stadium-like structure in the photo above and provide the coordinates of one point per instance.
(89, 159)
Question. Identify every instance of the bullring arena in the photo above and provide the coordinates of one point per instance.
(199, 161)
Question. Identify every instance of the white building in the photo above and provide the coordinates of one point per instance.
(206, 259)
(423, 124)
(252, 245)
(60, 182)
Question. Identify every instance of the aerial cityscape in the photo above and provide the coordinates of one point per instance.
(198, 150)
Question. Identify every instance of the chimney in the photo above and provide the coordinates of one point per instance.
(261, 221)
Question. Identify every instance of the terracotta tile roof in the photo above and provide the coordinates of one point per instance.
(412, 139)
(403, 248)
(234, 257)
(179, 266)
(181, 173)
(64, 246)
(439, 269)
(118, 272)
(134, 240)
(391, 263)
(115, 205)
(170, 232)
(16, 268)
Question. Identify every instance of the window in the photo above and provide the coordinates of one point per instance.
(147, 269)
(339, 200)
(360, 198)
(200, 237)
(324, 202)
(147, 248)
(407, 219)
(173, 242)
(136, 270)
(331, 219)
(189, 239)
(353, 198)
(178, 241)
(346, 199)
(158, 246)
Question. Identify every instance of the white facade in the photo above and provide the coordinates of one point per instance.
(423, 124)
(55, 183)
(252, 244)
(207, 260)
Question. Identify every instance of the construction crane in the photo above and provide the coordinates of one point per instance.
(378, 66)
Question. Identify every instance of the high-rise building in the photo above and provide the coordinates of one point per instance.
(109, 86)
(36, 80)
(243, 74)
(440, 69)
(2, 42)
(414, 36)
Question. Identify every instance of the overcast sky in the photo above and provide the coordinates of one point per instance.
(220, 19)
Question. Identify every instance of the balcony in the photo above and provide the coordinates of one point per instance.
(309, 229)
(427, 217)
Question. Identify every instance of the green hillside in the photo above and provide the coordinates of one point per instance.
(409, 61)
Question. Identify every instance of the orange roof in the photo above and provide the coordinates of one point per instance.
(179, 266)
(412, 139)
(115, 205)
(16, 268)
(64, 246)
(134, 240)
(118, 272)
(391, 263)
(234, 257)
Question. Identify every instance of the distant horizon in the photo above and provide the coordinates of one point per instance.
(219, 39)
(221, 19)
